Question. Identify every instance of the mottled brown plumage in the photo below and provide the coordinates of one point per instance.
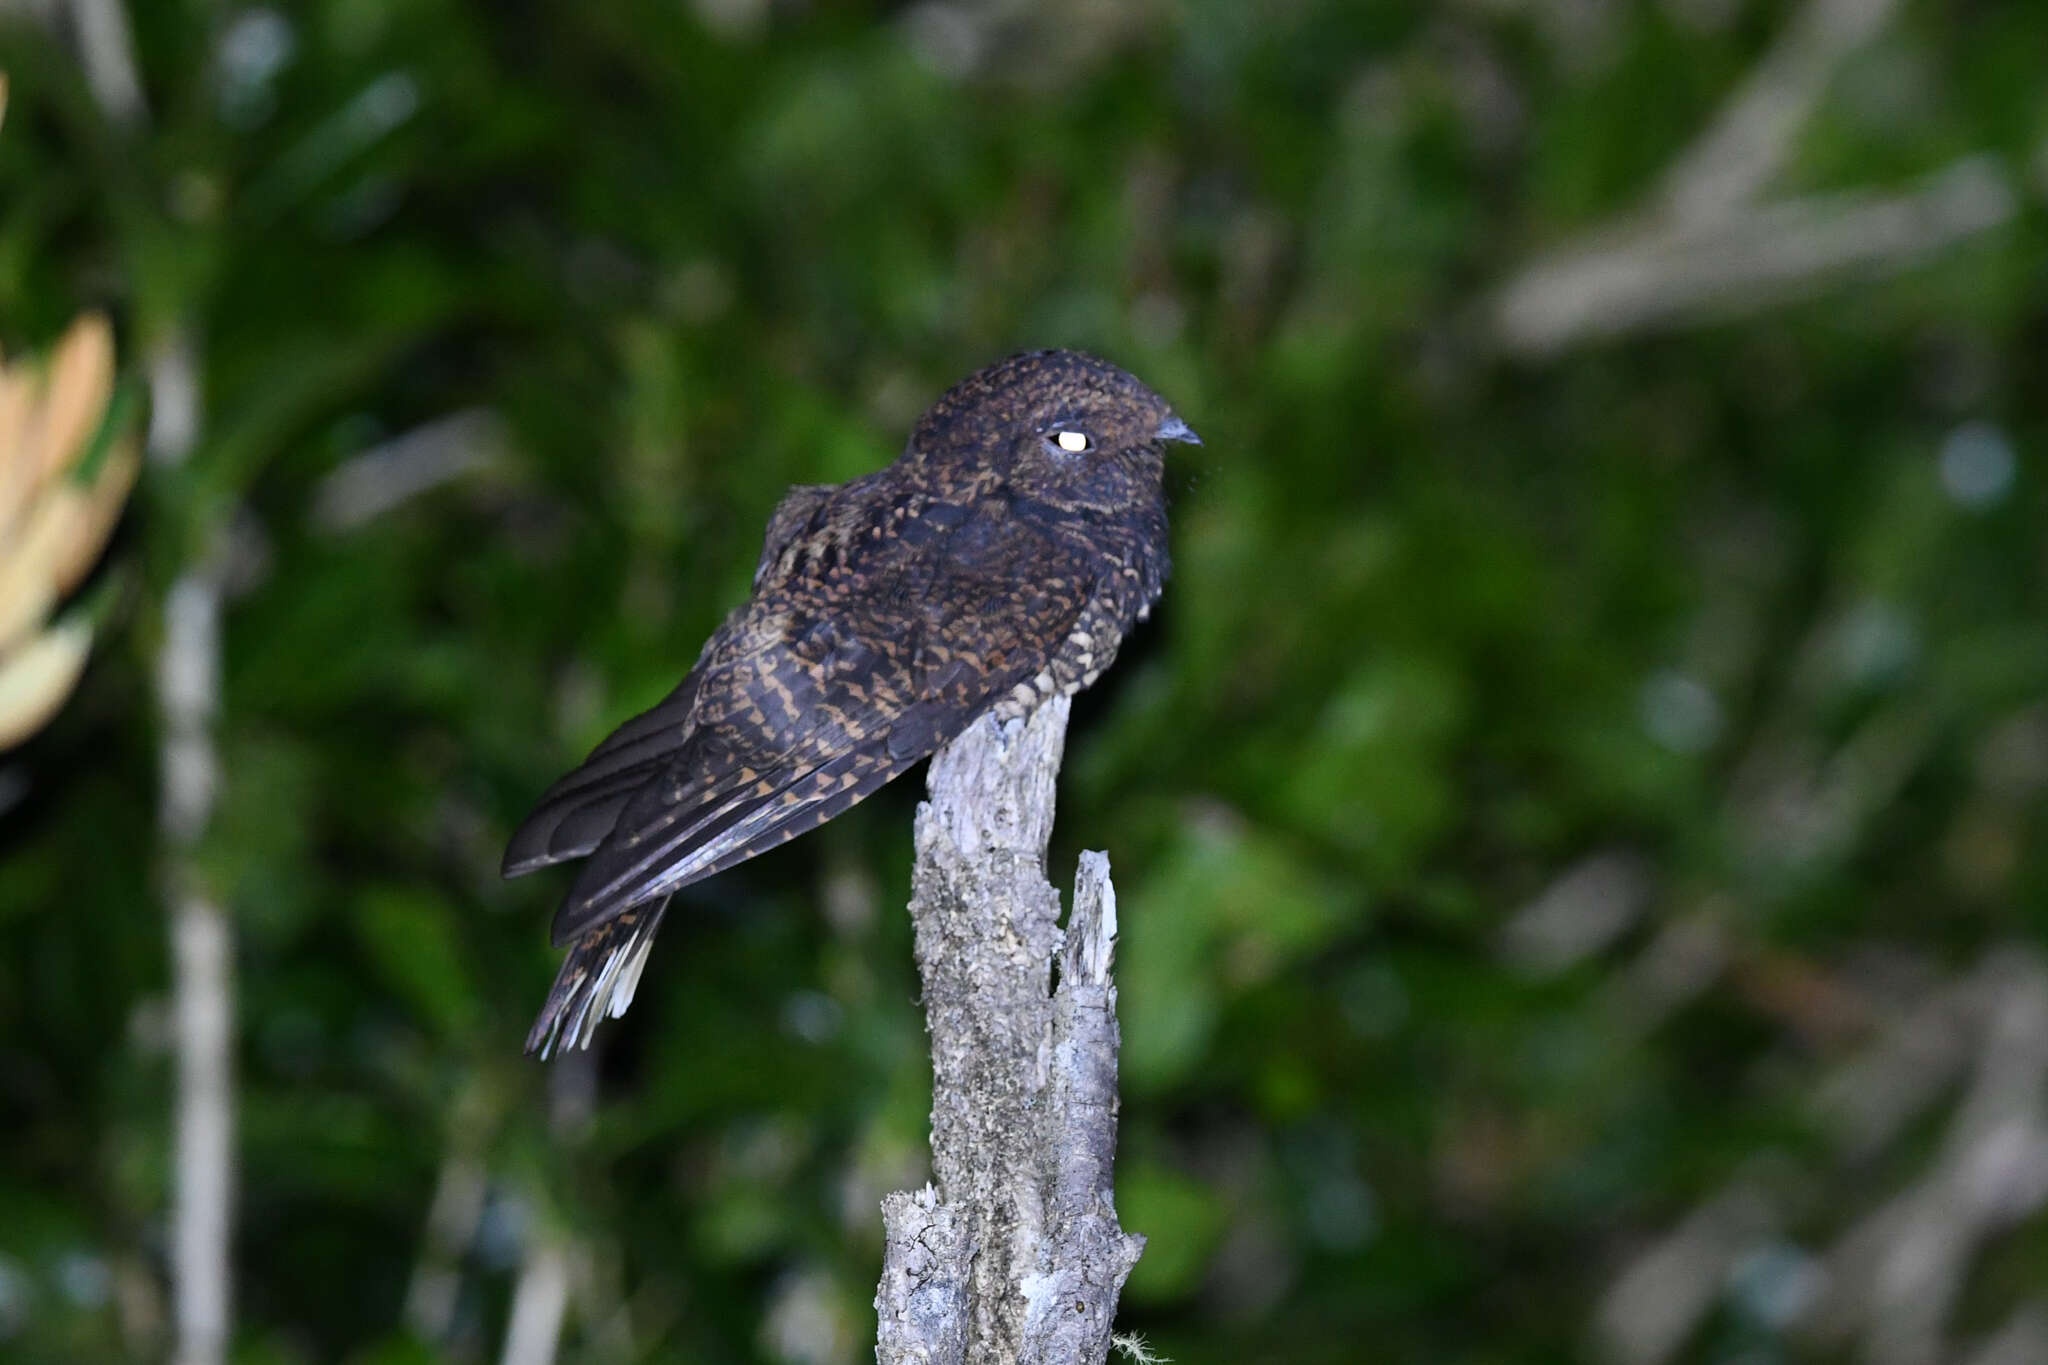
(997, 562)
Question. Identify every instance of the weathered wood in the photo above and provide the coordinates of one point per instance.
(1016, 1255)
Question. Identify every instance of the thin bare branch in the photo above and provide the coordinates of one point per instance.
(1705, 245)
(1633, 281)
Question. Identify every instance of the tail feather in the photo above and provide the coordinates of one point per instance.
(597, 979)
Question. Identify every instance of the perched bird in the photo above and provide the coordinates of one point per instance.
(996, 563)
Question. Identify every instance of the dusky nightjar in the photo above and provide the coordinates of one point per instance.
(997, 562)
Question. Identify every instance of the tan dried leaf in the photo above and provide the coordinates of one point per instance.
(99, 509)
(28, 562)
(52, 527)
(36, 678)
(81, 380)
(17, 467)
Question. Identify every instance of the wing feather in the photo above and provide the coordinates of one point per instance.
(806, 701)
(668, 836)
(574, 815)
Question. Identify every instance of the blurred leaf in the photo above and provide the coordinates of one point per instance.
(412, 941)
(1182, 1222)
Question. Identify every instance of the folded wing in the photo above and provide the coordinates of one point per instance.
(857, 658)
(574, 815)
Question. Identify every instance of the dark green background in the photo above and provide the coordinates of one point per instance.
(1447, 622)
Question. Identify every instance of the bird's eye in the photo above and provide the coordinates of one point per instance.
(1073, 442)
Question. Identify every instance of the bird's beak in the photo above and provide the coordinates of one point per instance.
(1173, 429)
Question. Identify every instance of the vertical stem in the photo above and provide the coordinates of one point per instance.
(107, 53)
(540, 1301)
(202, 938)
(188, 696)
(538, 1305)
(204, 1198)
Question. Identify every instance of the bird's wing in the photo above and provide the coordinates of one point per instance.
(800, 713)
(674, 832)
(577, 812)
(574, 815)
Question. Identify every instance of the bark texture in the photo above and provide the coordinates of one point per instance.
(1015, 1255)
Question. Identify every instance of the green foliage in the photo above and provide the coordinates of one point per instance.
(1544, 788)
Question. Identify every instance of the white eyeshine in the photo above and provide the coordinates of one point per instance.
(1073, 442)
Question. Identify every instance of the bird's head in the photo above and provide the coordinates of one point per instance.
(1074, 429)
